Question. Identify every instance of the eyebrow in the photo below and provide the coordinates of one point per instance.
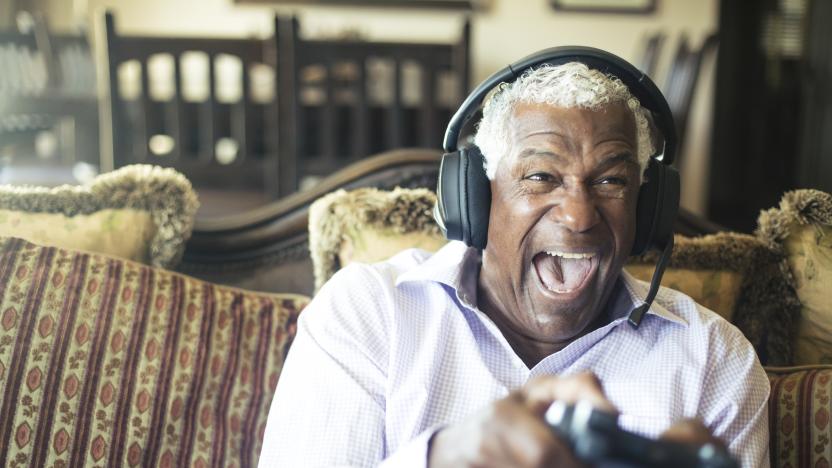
(623, 157)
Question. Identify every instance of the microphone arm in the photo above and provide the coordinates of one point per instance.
(638, 313)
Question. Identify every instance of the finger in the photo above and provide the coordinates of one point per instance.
(691, 431)
(527, 441)
(585, 386)
(541, 392)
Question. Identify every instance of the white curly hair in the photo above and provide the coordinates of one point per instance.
(568, 85)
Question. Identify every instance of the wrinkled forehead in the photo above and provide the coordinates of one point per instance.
(612, 121)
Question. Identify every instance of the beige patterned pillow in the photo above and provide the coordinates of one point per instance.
(142, 213)
(716, 289)
(103, 231)
(802, 227)
(810, 258)
(375, 245)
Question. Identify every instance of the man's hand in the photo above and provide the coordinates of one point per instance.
(691, 432)
(512, 432)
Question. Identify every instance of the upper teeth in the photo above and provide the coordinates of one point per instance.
(569, 254)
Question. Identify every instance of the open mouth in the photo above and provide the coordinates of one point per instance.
(564, 272)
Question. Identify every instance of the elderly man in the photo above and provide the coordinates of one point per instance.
(451, 359)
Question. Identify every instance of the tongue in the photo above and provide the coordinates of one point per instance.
(561, 274)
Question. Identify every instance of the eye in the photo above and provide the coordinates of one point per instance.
(540, 177)
(612, 181)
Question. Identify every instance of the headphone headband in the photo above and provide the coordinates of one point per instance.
(639, 84)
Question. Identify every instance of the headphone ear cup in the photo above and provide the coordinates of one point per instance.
(477, 198)
(657, 207)
(463, 197)
(447, 211)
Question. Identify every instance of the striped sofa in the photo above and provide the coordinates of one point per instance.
(799, 416)
(108, 362)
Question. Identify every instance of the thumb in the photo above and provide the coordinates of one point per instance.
(690, 431)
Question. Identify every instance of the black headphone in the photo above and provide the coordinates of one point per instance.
(464, 191)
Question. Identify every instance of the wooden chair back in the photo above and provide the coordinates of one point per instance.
(681, 81)
(204, 106)
(349, 98)
(651, 53)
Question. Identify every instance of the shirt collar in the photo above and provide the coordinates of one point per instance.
(447, 266)
(452, 266)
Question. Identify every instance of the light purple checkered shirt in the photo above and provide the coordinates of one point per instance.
(387, 354)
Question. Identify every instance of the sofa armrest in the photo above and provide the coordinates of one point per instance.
(800, 403)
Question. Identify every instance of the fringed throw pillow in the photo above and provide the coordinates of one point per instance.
(141, 212)
(369, 225)
(801, 227)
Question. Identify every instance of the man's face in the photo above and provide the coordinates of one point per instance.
(562, 218)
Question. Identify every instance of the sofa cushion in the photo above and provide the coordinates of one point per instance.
(142, 213)
(741, 278)
(802, 227)
(799, 413)
(108, 362)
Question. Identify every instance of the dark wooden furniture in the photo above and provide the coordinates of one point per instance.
(814, 166)
(347, 99)
(332, 103)
(641, 7)
(772, 105)
(204, 118)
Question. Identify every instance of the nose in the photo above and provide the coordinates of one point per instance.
(576, 211)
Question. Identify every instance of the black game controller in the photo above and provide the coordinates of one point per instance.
(596, 438)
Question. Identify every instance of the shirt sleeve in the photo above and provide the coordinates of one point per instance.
(735, 400)
(329, 405)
